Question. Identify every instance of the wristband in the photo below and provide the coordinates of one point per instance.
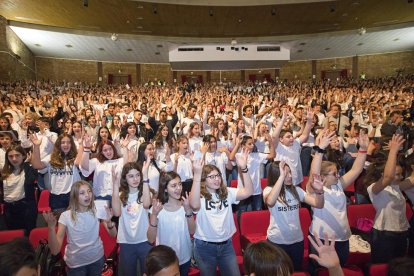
(189, 215)
(112, 225)
(320, 193)
(86, 147)
(318, 149)
(146, 181)
(87, 151)
(362, 151)
(244, 170)
(155, 226)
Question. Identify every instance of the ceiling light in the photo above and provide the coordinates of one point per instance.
(140, 18)
(302, 43)
(326, 49)
(114, 37)
(101, 49)
(240, 20)
(159, 46)
(129, 50)
(362, 31)
(38, 45)
(392, 40)
(233, 42)
(360, 44)
(68, 46)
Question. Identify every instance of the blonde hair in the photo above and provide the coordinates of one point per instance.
(74, 199)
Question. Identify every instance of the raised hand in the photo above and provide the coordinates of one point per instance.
(145, 165)
(363, 141)
(317, 183)
(109, 214)
(115, 177)
(50, 219)
(327, 256)
(156, 207)
(282, 168)
(396, 142)
(309, 114)
(186, 203)
(87, 140)
(241, 159)
(33, 138)
(325, 138)
(198, 166)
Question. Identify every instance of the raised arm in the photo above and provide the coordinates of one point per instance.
(272, 150)
(189, 214)
(116, 201)
(86, 145)
(359, 162)
(153, 221)
(195, 195)
(389, 171)
(270, 198)
(146, 195)
(36, 161)
(279, 127)
(247, 189)
(305, 134)
(55, 240)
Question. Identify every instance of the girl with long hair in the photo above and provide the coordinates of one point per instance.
(164, 140)
(17, 185)
(146, 152)
(115, 127)
(194, 137)
(171, 219)
(61, 166)
(283, 199)
(84, 253)
(131, 199)
(182, 162)
(212, 201)
(129, 139)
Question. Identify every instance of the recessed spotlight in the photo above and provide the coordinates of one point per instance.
(302, 43)
(222, 49)
(157, 53)
(300, 51)
(129, 50)
(140, 27)
(68, 46)
(101, 49)
(38, 45)
(218, 48)
(360, 44)
(326, 49)
(140, 18)
(159, 46)
(240, 20)
(392, 40)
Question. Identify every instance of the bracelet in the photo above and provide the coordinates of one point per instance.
(112, 225)
(86, 147)
(189, 215)
(244, 170)
(87, 151)
(318, 149)
(146, 181)
(362, 151)
(155, 226)
(320, 193)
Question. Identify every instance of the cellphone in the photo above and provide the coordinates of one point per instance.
(197, 155)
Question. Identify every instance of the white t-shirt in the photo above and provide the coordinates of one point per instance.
(332, 218)
(60, 180)
(102, 178)
(188, 122)
(253, 164)
(195, 143)
(13, 187)
(84, 244)
(214, 220)
(292, 157)
(390, 209)
(133, 223)
(154, 174)
(173, 231)
(184, 166)
(2, 158)
(284, 226)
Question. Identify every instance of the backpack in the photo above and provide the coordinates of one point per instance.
(50, 265)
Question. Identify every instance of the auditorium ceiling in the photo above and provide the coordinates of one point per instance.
(310, 28)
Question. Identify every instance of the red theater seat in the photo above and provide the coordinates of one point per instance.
(378, 270)
(263, 183)
(43, 204)
(233, 183)
(253, 226)
(354, 271)
(9, 235)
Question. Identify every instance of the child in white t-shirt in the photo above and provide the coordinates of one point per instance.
(212, 201)
(84, 253)
(130, 200)
(171, 220)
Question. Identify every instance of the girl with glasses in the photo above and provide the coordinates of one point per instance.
(212, 200)
(332, 218)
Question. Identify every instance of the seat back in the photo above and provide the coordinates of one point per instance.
(263, 183)
(255, 222)
(38, 234)
(43, 204)
(304, 182)
(8, 235)
(360, 211)
(109, 243)
(233, 183)
(236, 238)
(378, 270)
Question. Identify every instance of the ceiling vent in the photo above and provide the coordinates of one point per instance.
(198, 49)
(268, 48)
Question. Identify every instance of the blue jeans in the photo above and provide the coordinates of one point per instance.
(184, 268)
(295, 252)
(129, 256)
(93, 269)
(209, 255)
(59, 202)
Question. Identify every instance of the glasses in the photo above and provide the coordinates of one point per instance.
(334, 174)
(214, 176)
